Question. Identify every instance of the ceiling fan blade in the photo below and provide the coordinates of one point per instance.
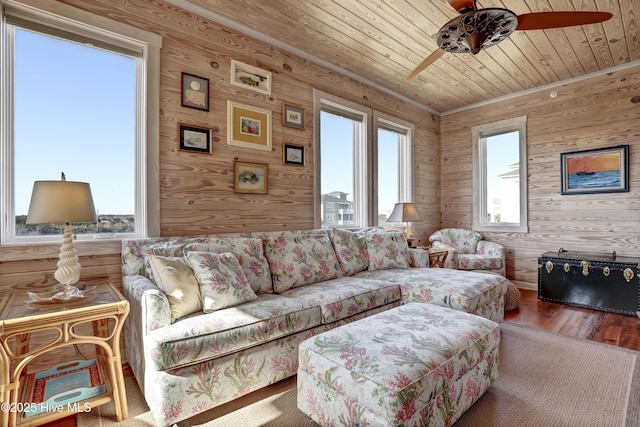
(546, 20)
(424, 64)
(460, 5)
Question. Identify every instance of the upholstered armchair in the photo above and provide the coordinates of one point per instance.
(467, 250)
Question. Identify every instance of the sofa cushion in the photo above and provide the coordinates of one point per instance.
(459, 289)
(387, 250)
(351, 251)
(346, 296)
(478, 262)
(250, 254)
(299, 260)
(201, 337)
(170, 248)
(222, 281)
(175, 278)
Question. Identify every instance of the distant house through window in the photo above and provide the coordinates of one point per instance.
(365, 163)
(337, 210)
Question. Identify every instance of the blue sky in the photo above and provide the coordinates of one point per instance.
(337, 137)
(502, 151)
(82, 125)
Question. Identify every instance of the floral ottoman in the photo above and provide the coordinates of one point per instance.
(414, 365)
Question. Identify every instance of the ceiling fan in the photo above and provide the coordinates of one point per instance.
(477, 29)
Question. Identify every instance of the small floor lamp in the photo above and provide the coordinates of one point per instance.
(62, 202)
(405, 212)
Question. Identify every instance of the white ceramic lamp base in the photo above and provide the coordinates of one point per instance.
(68, 272)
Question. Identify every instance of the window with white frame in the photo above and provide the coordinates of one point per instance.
(393, 163)
(364, 159)
(77, 99)
(500, 176)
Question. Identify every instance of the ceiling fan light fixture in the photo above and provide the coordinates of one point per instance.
(476, 30)
(474, 42)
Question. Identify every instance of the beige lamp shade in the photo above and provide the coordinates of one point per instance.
(61, 202)
(404, 212)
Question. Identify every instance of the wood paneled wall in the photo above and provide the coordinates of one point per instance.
(196, 190)
(588, 114)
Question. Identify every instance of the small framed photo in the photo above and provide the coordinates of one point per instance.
(195, 92)
(250, 178)
(249, 127)
(195, 138)
(292, 116)
(293, 154)
(603, 170)
(249, 77)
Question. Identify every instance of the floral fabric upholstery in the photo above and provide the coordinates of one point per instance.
(205, 337)
(387, 250)
(461, 290)
(346, 296)
(467, 250)
(250, 254)
(418, 258)
(204, 360)
(351, 251)
(478, 262)
(170, 249)
(414, 365)
(176, 394)
(301, 260)
(222, 281)
(133, 256)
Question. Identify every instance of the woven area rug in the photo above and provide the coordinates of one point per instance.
(545, 379)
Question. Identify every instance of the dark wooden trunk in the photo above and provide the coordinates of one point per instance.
(602, 282)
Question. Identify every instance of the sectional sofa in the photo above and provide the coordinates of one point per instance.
(218, 316)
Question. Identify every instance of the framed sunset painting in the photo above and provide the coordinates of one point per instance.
(603, 170)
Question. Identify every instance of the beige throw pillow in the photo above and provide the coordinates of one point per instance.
(176, 279)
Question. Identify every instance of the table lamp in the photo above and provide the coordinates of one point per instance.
(62, 202)
(405, 212)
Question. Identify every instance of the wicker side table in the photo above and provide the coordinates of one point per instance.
(64, 326)
(437, 257)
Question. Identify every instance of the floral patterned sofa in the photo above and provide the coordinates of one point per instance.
(218, 316)
(467, 250)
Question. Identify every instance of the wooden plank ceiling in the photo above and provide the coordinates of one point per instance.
(384, 40)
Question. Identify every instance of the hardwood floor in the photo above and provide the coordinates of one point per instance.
(608, 328)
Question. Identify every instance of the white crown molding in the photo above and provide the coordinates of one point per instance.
(242, 28)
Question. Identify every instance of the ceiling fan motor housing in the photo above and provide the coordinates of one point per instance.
(476, 30)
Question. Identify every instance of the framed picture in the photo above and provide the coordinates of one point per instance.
(250, 178)
(249, 126)
(195, 138)
(292, 116)
(603, 170)
(195, 92)
(249, 77)
(293, 154)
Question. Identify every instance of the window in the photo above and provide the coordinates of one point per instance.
(500, 176)
(84, 114)
(393, 153)
(364, 159)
